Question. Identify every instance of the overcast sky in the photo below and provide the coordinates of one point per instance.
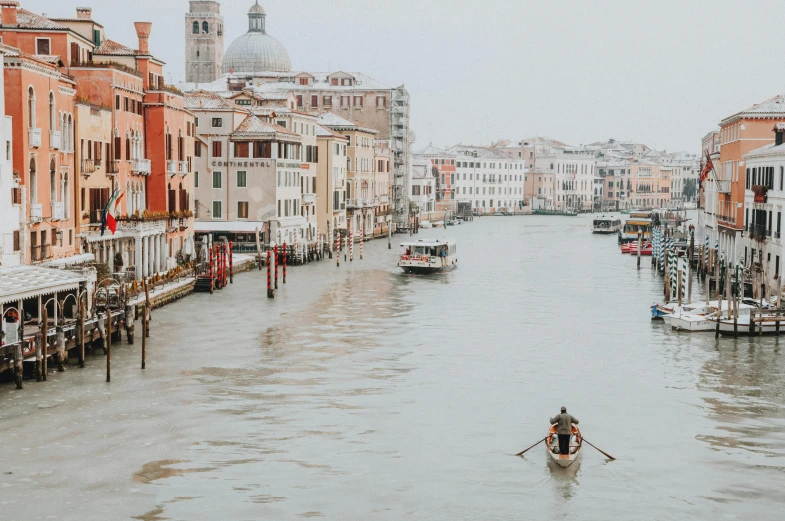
(664, 73)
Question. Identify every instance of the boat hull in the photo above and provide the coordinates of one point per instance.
(564, 460)
(427, 270)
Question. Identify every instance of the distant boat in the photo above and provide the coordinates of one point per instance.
(555, 212)
(606, 226)
(552, 446)
(425, 257)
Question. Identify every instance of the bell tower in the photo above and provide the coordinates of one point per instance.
(204, 41)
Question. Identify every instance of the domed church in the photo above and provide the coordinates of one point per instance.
(256, 50)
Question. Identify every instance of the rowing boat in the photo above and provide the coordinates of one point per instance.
(552, 446)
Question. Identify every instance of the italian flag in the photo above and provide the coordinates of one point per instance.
(112, 207)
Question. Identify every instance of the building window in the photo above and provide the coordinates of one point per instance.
(198, 148)
(241, 179)
(241, 149)
(299, 100)
(217, 149)
(205, 28)
(42, 46)
(196, 179)
(218, 122)
(196, 28)
(216, 179)
(217, 210)
(242, 209)
(328, 101)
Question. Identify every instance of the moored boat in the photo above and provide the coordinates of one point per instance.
(699, 317)
(552, 446)
(426, 257)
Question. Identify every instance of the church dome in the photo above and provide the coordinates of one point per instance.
(256, 51)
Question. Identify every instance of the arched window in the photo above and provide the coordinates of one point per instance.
(52, 121)
(196, 28)
(31, 108)
(52, 181)
(33, 183)
(205, 28)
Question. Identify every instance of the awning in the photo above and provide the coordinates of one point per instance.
(228, 226)
(23, 282)
(70, 261)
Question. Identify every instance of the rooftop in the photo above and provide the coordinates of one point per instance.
(23, 282)
(206, 101)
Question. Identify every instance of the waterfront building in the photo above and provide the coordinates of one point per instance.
(538, 189)
(250, 172)
(382, 160)
(423, 191)
(258, 61)
(487, 179)
(764, 199)
(442, 164)
(204, 41)
(39, 97)
(740, 134)
(331, 181)
(362, 198)
(11, 190)
(573, 170)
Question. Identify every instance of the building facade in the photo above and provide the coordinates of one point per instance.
(204, 41)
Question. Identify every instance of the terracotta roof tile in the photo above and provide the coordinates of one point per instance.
(254, 125)
(206, 100)
(27, 20)
(110, 47)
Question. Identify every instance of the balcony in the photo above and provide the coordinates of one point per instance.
(88, 167)
(183, 167)
(141, 166)
(112, 166)
(759, 232)
(361, 203)
(171, 167)
(54, 140)
(34, 136)
(58, 211)
(309, 198)
(384, 199)
(36, 213)
(723, 187)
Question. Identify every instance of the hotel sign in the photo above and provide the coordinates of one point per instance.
(242, 164)
(281, 164)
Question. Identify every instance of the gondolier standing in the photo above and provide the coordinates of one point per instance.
(563, 424)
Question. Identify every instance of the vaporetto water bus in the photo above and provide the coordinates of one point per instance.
(606, 225)
(426, 257)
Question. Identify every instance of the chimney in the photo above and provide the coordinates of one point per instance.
(143, 32)
(9, 13)
(84, 13)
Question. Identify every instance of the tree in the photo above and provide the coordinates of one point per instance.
(690, 189)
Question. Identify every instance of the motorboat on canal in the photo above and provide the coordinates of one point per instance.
(699, 316)
(631, 227)
(606, 226)
(427, 257)
(552, 446)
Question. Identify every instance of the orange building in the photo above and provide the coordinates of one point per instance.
(740, 134)
(40, 99)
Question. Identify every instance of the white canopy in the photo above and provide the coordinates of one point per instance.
(23, 282)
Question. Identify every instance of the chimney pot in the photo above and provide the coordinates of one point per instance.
(9, 10)
(143, 32)
(84, 13)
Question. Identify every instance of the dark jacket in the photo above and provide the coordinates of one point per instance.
(564, 423)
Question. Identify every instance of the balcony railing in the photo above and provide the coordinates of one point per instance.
(36, 213)
(141, 166)
(34, 135)
(40, 253)
(88, 167)
(361, 203)
(112, 166)
(759, 231)
(183, 167)
(58, 211)
(309, 198)
(171, 167)
(54, 140)
(723, 187)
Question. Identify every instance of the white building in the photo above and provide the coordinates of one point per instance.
(574, 173)
(423, 187)
(487, 179)
(764, 200)
(11, 191)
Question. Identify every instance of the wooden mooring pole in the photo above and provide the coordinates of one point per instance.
(44, 343)
(270, 291)
(108, 343)
(276, 266)
(640, 245)
(80, 331)
(284, 262)
(144, 334)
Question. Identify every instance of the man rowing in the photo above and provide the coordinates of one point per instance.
(564, 424)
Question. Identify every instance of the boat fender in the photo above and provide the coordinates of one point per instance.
(425, 259)
(405, 257)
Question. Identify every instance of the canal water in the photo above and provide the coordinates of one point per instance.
(361, 393)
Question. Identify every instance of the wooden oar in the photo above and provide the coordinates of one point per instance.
(605, 453)
(521, 452)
